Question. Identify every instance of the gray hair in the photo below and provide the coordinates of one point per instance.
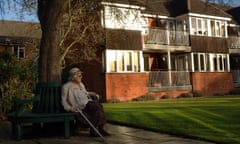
(73, 73)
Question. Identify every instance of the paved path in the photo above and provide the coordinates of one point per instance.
(120, 135)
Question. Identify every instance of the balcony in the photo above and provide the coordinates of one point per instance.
(234, 44)
(169, 80)
(165, 39)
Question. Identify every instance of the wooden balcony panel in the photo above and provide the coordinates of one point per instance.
(209, 44)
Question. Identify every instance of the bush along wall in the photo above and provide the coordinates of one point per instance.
(17, 80)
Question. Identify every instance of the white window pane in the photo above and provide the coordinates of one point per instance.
(136, 62)
(212, 28)
(196, 65)
(215, 63)
(123, 61)
(225, 64)
(111, 60)
(220, 60)
(21, 53)
(202, 63)
(205, 27)
(15, 50)
(217, 28)
(223, 29)
(207, 62)
(146, 62)
(199, 22)
(120, 61)
(194, 26)
(128, 56)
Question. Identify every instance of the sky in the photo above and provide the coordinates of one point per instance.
(14, 13)
(235, 3)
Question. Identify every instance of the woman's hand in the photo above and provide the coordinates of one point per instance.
(94, 95)
(73, 109)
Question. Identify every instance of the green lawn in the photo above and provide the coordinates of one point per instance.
(214, 119)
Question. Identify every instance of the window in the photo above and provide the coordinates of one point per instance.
(210, 62)
(19, 51)
(199, 23)
(212, 28)
(196, 63)
(146, 58)
(206, 27)
(123, 61)
(207, 61)
(220, 62)
(199, 26)
(179, 26)
(194, 26)
(199, 62)
(222, 27)
(202, 62)
(173, 63)
(217, 28)
(182, 62)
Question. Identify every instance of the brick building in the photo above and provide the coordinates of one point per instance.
(164, 47)
(159, 47)
(20, 38)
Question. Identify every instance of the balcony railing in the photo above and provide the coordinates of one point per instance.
(234, 42)
(166, 37)
(165, 79)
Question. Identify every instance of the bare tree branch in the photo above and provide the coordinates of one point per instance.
(70, 24)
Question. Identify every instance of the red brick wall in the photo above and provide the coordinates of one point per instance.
(2, 48)
(212, 83)
(125, 86)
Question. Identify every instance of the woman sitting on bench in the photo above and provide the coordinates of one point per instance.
(75, 97)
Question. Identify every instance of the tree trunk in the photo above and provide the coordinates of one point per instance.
(50, 13)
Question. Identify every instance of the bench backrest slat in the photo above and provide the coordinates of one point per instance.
(50, 97)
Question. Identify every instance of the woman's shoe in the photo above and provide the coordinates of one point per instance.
(93, 133)
(104, 132)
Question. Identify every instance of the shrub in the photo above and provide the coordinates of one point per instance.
(146, 97)
(17, 79)
(218, 94)
(197, 93)
(185, 95)
(165, 96)
(235, 92)
(113, 100)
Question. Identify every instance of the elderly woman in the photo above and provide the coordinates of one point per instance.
(75, 97)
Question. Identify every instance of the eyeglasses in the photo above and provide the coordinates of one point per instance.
(79, 75)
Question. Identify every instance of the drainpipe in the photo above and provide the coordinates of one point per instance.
(169, 68)
(189, 5)
(228, 64)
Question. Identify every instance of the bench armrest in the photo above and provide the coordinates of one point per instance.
(20, 103)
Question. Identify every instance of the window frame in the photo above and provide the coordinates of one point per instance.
(16, 50)
(208, 27)
(211, 62)
(117, 61)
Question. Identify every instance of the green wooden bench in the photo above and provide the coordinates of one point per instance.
(47, 108)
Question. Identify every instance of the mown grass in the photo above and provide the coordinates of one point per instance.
(215, 119)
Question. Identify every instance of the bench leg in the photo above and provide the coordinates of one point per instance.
(19, 132)
(67, 129)
(16, 130)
